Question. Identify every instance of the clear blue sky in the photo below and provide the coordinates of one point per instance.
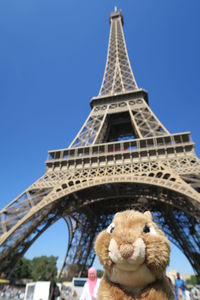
(52, 59)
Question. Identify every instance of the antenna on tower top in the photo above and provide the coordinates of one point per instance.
(115, 8)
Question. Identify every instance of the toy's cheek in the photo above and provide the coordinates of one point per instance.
(113, 251)
(157, 259)
(150, 239)
(156, 246)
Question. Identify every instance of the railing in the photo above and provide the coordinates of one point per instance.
(168, 141)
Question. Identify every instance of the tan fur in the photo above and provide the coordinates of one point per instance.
(139, 259)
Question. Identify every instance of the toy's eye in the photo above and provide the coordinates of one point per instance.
(149, 229)
(110, 228)
(146, 229)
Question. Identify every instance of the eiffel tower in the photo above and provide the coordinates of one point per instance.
(122, 157)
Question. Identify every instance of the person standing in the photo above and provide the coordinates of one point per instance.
(180, 287)
(91, 286)
(52, 287)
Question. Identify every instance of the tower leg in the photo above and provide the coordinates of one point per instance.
(80, 253)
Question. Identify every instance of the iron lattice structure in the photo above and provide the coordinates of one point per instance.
(123, 157)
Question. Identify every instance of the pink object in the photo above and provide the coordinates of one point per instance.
(92, 282)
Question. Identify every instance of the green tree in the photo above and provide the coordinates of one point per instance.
(42, 267)
(192, 280)
(100, 273)
(22, 269)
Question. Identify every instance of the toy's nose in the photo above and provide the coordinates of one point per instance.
(126, 250)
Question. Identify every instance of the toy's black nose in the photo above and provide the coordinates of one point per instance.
(126, 250)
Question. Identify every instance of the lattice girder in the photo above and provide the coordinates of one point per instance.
(118, 76)
(59, 177)
(80, 254)
(143, 121)
(118, 197)
(12, 252)
(152, 174)
(87, 134)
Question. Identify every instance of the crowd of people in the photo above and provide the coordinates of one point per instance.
(9, 292)
(181, 292)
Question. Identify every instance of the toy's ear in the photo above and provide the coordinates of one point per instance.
(148, 214)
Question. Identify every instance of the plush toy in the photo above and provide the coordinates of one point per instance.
(135, 254)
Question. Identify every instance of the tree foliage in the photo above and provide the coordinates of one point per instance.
(100, 273)
(42, 267)
(192, 280)
(39, 268)
(22, 269)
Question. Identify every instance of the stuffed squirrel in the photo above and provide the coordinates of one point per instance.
(135, 254)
